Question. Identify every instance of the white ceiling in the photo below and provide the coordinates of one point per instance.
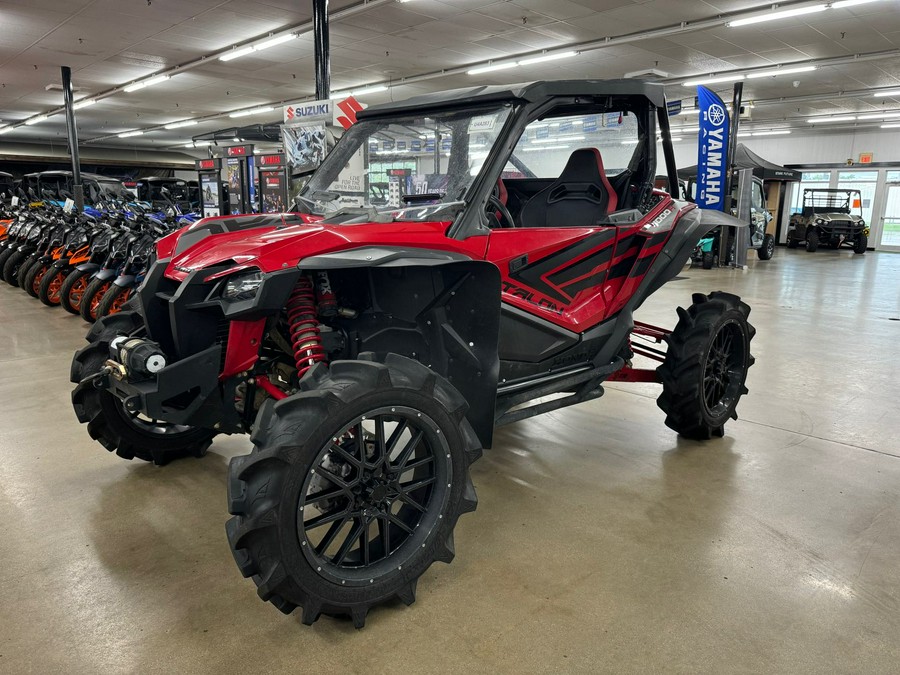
(108, 43)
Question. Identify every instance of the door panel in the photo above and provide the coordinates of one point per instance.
(890, 222)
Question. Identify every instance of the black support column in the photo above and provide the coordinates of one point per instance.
(736, 102)
(77, 187)
(322, 49)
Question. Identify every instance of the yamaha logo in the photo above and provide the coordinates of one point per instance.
(716, 114)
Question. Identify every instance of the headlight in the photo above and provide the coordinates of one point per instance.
(243, 287)
(862, 222)
(820, 221)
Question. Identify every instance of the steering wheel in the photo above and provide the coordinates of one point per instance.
(506, 219)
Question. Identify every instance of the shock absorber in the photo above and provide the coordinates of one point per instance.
(306, 338)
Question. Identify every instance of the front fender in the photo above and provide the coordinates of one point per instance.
(437, 307)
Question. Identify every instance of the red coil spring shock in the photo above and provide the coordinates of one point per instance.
(306, 339)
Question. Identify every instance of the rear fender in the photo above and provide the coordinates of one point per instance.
(441, 309)
(688, 230)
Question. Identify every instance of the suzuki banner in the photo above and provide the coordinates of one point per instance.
(712, 150)
(337, 113)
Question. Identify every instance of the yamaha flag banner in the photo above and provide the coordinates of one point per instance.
(712, 150)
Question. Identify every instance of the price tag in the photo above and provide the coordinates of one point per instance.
(15, 200)
(69, 205)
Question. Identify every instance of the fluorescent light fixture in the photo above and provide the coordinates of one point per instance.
(893, 125)
(547, 147)
(850, 3)
(178, 125)
(557, 139)
(252, 111)
(35, 120)
(547, 57)
(895, 92)
(128, 134)
(492, 67)
(359, 92)
(780, 71)
(274, 41)
(84, 103)
(837, 118)
(773, 132)
(675, 139)
(524, 62)
(237, 53)
(712, 80)
(776, 16)
(198, 144)
(369, 90)
(690, 111)
(878, 116)
(630, 141)
(135, 86)
(686, 130)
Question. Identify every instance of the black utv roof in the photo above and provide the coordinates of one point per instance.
(68, 174)
(531, 92)
(160, 179)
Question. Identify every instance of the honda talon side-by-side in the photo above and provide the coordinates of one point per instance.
(371, 341)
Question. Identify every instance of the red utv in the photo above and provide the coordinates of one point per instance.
(457, 259)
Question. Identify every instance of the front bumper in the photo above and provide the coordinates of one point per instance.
(185, 392)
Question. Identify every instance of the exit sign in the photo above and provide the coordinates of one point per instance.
(866, 157)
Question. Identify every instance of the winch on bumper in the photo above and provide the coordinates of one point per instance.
(185, 392)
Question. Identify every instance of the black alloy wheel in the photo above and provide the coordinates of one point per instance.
(376, 491)
(724, 369)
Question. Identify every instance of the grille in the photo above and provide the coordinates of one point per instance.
(839, 226)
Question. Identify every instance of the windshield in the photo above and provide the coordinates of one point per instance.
(416, 167)
(113, 188)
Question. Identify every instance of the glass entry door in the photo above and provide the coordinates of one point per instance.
(890, 221)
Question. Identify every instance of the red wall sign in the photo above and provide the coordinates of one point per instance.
(271, 160)
(207, 164)
(239, 150)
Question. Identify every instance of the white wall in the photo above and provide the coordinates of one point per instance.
(813, 147)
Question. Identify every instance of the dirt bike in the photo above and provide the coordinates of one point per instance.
(35, 266)
(76, 282)
(76, 250)
(101, 279)
(131, 274)
(39, 235)
(371, 350)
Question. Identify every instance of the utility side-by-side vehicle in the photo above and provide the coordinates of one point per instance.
(371, 341)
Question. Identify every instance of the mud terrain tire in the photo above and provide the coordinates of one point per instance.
(705, 368)
(310, 437)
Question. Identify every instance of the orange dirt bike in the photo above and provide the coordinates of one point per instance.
(77, 280)
(77, 250)
(141, 256)
(35, 266)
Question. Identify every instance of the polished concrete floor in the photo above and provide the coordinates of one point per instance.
(602, 543)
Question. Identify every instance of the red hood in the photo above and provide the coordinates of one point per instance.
(272, 249)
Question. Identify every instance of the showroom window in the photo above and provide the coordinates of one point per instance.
(865, 182)
(808, 181)
(890, 235)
